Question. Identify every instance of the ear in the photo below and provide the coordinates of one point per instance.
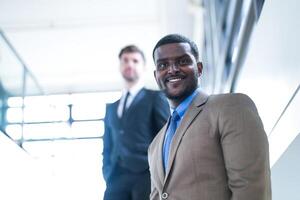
(200, 68)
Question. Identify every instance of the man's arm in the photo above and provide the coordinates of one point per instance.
(245, 149)
(161, 111)
(107, 145)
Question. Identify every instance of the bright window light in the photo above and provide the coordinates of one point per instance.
(88, 111)
(95, 98)
(88, 129)
(15, 102)
(110, 97)
(14, 115)
(14, 131)
(36, 101)
(65, 148)
(46, 113)
(48, 130)
(53, 100)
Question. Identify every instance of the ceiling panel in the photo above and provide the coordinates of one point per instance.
(72, 45)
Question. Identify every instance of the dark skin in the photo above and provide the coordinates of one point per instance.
(177, 71)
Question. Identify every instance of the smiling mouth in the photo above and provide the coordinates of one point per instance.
(174, 79)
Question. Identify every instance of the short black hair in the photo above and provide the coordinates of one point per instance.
(176, 38)
(132, 49)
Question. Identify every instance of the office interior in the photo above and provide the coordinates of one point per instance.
(59, 68)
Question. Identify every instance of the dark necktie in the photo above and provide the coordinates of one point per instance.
(168, 138)
(125, 102)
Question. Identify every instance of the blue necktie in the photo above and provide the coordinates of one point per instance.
(168, 138)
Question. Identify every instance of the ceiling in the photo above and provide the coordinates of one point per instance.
(71, 46)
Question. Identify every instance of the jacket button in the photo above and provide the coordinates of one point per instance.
(164, 195)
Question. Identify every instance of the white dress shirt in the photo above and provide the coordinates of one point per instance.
(132, 93)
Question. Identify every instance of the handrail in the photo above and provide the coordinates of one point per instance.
(26, 69)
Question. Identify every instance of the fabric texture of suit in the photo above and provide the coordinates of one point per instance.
(126, 139)
(219, 152)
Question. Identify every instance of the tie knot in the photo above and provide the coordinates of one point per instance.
(175, 117)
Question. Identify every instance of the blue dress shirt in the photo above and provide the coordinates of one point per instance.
(180, 109)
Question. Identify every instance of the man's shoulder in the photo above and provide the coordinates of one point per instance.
(230, 99)
(155, 95)
(112, 104)
(152, 92)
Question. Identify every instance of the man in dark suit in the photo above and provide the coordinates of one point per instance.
(130, 125)
(213, 147)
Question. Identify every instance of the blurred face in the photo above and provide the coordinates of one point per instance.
(177, 71)
(131, 66)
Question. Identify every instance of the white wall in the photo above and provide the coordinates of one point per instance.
(21, 177)
(270, 75)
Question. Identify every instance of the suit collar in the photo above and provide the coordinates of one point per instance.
(141, 93)
(200, 99)
(183, 106)
(136, 99)
(134, 89)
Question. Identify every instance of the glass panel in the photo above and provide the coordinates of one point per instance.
(88, 129)
(11, 70)
(31, 86)
(2, 109)
(40, 113)
(15, 102)
(92, 105)
(14, 131)
(30, 101)
(110, 97)
(62, 99)
(88, 111)
(53, 100)
(71, 148)
(95, 98)
(45, 131)
(14, 115)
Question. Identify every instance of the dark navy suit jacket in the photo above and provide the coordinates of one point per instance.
(126, 139)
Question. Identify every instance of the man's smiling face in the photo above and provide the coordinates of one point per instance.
(177, 70)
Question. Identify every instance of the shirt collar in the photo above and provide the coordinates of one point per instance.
(133, 90)
(183, 106)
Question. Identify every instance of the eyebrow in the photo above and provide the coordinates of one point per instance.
(176, 58)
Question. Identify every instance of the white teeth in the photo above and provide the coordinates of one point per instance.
(174, 80)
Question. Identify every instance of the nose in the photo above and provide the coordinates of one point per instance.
(129, 65)
(173, 68)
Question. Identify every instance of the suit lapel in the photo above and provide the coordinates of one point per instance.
(193, 110)
(114, 110)
(159, 165)
(136, 100)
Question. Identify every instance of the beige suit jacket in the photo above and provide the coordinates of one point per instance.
(219, 152)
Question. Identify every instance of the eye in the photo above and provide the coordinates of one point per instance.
(124, 60)
(162, 66)
(184, 61)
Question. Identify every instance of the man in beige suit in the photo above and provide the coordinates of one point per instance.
(213, 147)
